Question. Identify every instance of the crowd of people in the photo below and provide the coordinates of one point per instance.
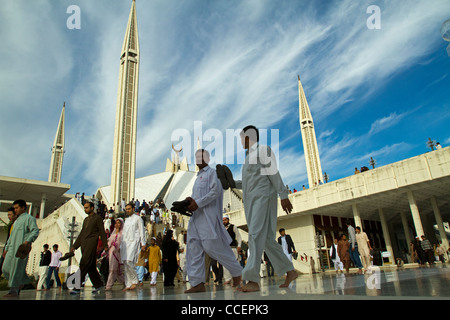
(124, 247)
(133, 252)
(355, 249)
(422, 251)
(120, 242)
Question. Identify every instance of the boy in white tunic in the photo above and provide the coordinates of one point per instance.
(261, 184)
(206, 233)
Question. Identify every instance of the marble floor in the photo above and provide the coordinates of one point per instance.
(429, 282)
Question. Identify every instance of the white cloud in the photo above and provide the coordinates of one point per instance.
(385, 122)
(227, 64)
(446, 142)
(238, 78)
(358, 57)
(380, 155)
(326, 133)
(293, 168)
(33, 68)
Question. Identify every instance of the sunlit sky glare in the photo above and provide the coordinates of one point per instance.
(377, 93)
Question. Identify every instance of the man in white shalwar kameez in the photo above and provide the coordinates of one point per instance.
(133, 240)
(338, 265)
(206, 232)
(261, 184)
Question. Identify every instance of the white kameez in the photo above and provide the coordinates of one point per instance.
(226, 274)
(206, 232)
(261, 184)
(285, 247)
(338, 265)
(133, 238)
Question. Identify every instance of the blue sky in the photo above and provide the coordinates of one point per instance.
(377, 93)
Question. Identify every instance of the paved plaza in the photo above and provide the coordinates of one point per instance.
(410, 283)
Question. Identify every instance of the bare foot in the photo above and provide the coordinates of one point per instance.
(133, 286)
(290, 276)
(236, 281)
(249, 287)
(198, 288)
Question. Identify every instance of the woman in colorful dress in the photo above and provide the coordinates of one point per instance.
(115, 263)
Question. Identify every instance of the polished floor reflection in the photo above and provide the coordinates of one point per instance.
(431, 282)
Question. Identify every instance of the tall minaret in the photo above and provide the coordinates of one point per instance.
(313, 167)
(56, 162)
(124, 152)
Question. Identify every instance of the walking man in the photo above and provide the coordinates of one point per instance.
(364, 248)
(92, 230)
(286, 243)
(133, 240)
(46, 257)
(53, 267)
(353, 250)
(206, 233)
(261, 184)
(428, 250)
(235, 244)
(338, 265)
(169, 248)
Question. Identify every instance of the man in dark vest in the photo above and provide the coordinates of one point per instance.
(286, 242)
(235, 245)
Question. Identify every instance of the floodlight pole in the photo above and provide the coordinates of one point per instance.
(72, 231)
